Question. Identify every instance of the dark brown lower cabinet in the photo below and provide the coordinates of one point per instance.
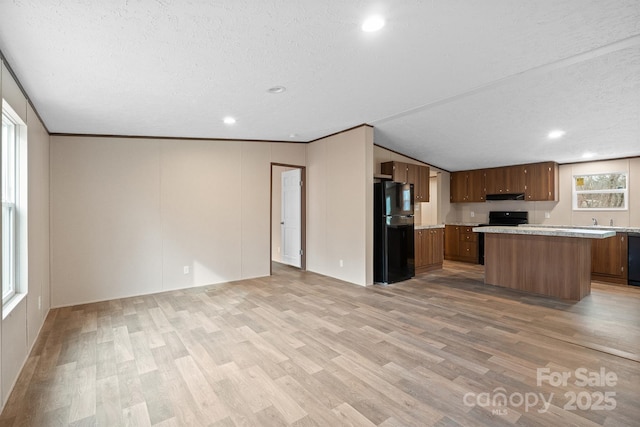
(609, 259)
(429, 249)
(460, 243)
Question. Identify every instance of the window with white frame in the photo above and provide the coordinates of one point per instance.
(8, 167)
(602, 191)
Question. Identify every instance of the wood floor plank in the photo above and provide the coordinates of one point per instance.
(124, 351)
(262, 346)
(142, 352)
(205, 399)
(349, 416)
(61, 387)
(286, 406)
(311, 402)
(136, 415)
(254, 396)
(83, 400)
(108, 406)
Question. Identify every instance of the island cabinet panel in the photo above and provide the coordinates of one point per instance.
(545, 265)
(461, 244)
(409, 173)
(609, 259)
(429, 249)
(467, 186)
(541, 182)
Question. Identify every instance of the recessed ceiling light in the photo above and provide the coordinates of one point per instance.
(555, 134)
(588, 155)
(276, 89)
(293, 135)
(373, 23)
(229, 120)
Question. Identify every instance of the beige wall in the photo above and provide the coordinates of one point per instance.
(20, 327)
(429, 210)
(340, 206)
(127, 215)
(561, 212)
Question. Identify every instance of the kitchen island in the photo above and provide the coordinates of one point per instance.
(541, 260)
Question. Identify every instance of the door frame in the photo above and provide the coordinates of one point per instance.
(303, 214)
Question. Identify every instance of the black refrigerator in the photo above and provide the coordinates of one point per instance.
(393, 249)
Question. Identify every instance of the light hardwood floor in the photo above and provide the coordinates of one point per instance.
(301, 349)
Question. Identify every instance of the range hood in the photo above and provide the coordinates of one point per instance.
(505, 196)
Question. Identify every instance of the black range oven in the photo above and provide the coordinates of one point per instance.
(504, 218)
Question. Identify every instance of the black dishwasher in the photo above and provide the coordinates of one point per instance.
(634, 259)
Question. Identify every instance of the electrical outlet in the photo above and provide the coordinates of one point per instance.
(186, 269)
(473, 214)
(341, 263)
(547, 215)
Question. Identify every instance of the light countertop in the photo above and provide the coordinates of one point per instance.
(587, 233)
(622, 229)
(427, 227)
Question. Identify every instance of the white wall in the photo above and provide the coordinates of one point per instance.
(561, 212)
(340, 206)
(127, 215)
(20, 327)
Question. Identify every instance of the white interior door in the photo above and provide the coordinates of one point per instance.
(290, 223)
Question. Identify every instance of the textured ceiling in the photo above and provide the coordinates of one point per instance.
(458, 84)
